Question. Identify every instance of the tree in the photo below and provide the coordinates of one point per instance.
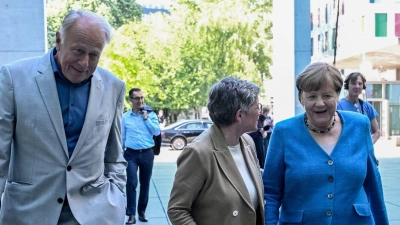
(118, 12)
(177, 57)
(141, 55)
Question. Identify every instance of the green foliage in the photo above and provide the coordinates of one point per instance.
(175, 58)
(117, 12)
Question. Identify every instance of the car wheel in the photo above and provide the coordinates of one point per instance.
(178, 143)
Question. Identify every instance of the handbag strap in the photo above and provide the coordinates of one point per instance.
(361, 105)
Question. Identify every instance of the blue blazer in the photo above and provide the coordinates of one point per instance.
(305, 185)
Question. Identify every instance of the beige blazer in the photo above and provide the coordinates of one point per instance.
(208, 188)
(35, 170)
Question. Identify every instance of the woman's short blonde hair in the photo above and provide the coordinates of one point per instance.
(316, 76)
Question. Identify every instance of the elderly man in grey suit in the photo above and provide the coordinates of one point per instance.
(61, 156)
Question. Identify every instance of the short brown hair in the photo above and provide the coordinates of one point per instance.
(316, 75)
(265, 109)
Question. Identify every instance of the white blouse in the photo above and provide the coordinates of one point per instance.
(244, 171)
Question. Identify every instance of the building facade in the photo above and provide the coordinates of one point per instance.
(367, 40)
(23, 29)
(368, 33)
(152, 6)
(291, 54)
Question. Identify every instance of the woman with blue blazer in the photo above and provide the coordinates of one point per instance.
(320, 167)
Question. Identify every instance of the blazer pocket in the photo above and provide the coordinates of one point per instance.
(18, 183)
(291, 216)
(362, 209)
(102, 122)
(100, 181)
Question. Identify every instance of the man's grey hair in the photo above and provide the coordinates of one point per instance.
(74, 15)
(227, 97)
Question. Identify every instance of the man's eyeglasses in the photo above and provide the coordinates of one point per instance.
(137, 98)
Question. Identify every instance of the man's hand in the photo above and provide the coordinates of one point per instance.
(144, 114)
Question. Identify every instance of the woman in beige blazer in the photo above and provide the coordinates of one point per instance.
(218, 180)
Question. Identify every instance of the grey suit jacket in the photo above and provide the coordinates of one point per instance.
(208, 188)
(35, 171)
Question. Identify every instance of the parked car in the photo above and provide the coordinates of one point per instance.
(179, 134)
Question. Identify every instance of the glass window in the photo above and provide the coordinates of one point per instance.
(183, 127)
(342, 7)
(380, 24)
(312, 46)
(397, 24)
(373, 91)
(326, 13)
(319, 44)
(393, 93)
(194, 126)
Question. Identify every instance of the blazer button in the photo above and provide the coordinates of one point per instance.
(235, 213)
(60, 200)
(330, 196)
(330, 162)
(328, 213)
(330, 179)
(69, 168)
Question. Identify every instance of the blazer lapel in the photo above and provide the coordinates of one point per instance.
(225, 161)
(47, 87)
(95, 98)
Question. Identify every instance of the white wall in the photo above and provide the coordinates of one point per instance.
(283, 68)
(23, 30)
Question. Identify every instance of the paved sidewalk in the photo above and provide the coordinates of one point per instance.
(389, 165)
(165, 167)
(160, 188)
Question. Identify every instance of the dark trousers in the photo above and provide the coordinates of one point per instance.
(66, 216)
(142, 160)
(259, 143)
(266, 143)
